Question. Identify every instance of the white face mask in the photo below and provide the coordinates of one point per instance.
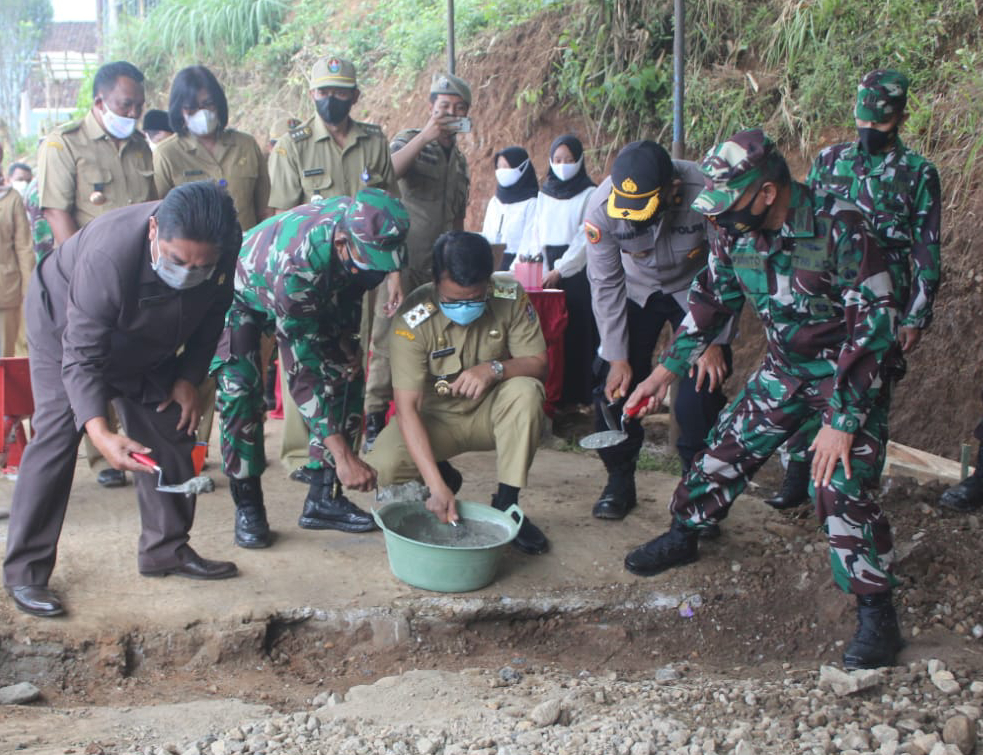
(20, 186)
(118, 126)
(566, 171)
(202, 123)
(507, 177)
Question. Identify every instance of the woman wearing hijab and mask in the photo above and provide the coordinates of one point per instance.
(204, 148)
(508, 218)
(558, 235)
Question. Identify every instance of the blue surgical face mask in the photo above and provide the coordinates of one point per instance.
(463, 312)
(179, 276)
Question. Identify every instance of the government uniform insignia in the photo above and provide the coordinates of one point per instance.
(299, 134)
(592, 231)
(505, 289)
(628, 186)
(419, 313)
(365, 175)
(531, 312)
(334, 65)
(405, 334)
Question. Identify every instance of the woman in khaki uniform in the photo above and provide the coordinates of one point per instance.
(203, 148)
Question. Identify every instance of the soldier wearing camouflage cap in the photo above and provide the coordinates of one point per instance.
(645, 247)
(807, 262)
(301, 276)
(434, 182)
(899, 192)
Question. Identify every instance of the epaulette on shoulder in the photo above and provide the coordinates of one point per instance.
(420, 313)
(300, 133)
(505, 289)
(371, 128)
(69, 127)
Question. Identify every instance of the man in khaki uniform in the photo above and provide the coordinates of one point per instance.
(469, 361)
(16, 264)
(434, 182)
(94, 165)
(328, 155)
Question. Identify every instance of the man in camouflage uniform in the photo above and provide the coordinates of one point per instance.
(329, 155)
(94, 165)
(434, 183)
(41, 235)
(469, 361)
(301, 275)
(899, 192)
(809, 264)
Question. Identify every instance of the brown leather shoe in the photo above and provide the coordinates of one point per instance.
(196, 567)
(36, 600)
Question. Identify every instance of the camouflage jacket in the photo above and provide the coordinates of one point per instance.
(288, 271)
(900, 194)
(823, 292)
(41, 235)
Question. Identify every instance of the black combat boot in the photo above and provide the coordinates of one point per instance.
(618, 497)
(795, 487)
(678, 546)
(452, 478)
(968, 494)
(327, 508)
(374, 424)
(530, 539)
(252, 529)
(878, 636)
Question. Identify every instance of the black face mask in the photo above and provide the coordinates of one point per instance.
(368, 279)
(738, 222)
(874, 141)
(333, 109)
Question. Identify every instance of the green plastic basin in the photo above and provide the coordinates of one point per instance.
(445, 568)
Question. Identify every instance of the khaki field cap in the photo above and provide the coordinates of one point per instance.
(333, 72)
(448, 83)
(730, 167)
(882, 94)
(639, 175)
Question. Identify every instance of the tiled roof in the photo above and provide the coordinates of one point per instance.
(73, 36)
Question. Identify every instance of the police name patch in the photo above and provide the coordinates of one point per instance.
(592, 231)
(419, 313)
(313, 172)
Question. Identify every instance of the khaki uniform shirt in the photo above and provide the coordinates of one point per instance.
(427, 347)
(237, 163)
(79, 162)
(16, 249)
(435, 191)
(308, 163)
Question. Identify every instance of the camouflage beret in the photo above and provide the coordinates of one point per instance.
(377, 225)
(333, 72)
(448, 83)
(881, 95)
(730, 167)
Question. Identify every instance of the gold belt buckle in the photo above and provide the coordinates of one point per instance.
(443, 388)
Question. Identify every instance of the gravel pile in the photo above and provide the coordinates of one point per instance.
(920, 709)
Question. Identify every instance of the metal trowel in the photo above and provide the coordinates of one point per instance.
(407, 492)
(200, 484)
(615, 434)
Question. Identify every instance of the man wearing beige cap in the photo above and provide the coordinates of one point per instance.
(330, 154)
(434, 183)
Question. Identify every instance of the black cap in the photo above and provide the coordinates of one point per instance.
(639, 173)
(156, 120)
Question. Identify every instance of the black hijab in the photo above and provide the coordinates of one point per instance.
(527, 187)
(552, 185)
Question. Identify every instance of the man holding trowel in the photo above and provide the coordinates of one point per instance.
(468, 365)
(127, 310)
(301, 276)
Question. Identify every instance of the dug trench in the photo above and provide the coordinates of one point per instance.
(321, 613)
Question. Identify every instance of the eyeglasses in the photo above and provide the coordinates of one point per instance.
(461, 303)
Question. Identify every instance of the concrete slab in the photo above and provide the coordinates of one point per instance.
(333, 574)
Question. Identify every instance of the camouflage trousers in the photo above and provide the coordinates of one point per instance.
(238, 372)
(770, 409)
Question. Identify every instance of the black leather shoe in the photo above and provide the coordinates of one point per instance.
(966, 496)
(678, 546)
(329, 509)
(111, 478)
(530, 539)
(795, 487)
(617, 499)
(37, 600)
(375, 422)
(451, 477)
(304, 475)
(877, 640)
(251, 528)
(196, 567)
(709, 532)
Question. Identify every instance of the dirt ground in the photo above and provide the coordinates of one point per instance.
(312, 614)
